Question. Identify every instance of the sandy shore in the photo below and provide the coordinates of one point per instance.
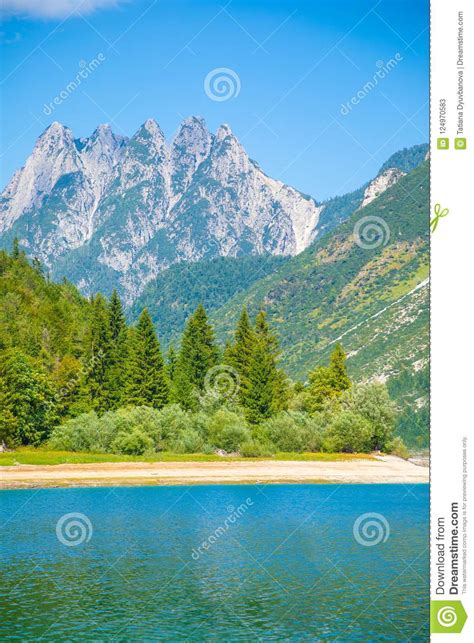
(382, 469)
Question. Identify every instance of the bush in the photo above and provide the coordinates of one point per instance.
(188, 441)
(255, 449)
(294, 431)
(372, 402)
(227, 430)
(398, 447)
(349, 433)
(172, 421)
(86, 432)
(134, 443)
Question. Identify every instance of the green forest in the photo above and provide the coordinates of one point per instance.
(75, 376)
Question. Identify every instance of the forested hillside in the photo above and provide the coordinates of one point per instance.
(176, 292)
(374, 300)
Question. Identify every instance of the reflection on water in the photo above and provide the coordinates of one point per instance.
(189, 563)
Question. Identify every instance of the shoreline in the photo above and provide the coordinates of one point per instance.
(377, 470)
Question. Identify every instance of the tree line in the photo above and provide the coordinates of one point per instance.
(102, 365)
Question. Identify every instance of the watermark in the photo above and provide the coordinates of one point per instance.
(74, 529)
(447, 617)
(371, 232)
(439, 213)
(222, 84)
(72, 383)
(383, 70)
(222, 381)
(231, 519)
(371, 529)
(86, 69)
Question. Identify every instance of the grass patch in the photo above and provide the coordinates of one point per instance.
(29, 455)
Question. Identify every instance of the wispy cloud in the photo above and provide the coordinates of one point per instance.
(52, 8)
(9, 39)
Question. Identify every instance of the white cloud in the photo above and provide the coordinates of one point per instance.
(52, 8)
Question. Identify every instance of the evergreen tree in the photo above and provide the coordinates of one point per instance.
(337, 364)
(264, 391)
(197, 355)
(171, 361)
(239, 354)
(95, 380)
(16, 248)
(328, 382)
(117, 323)
(147, 382)
(117, 367)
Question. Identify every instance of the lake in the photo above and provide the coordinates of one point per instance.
(220, 563)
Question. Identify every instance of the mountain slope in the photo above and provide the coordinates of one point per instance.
(43, 319)
(177, 291)
(373, 300)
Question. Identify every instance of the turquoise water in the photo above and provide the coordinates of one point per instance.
(287, 567)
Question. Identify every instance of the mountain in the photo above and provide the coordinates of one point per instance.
(337, 209)
(374, 300)
(108, 211)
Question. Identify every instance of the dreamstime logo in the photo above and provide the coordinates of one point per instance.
(447, 616)
(221, 84)
(222, 381)
(74, 529)
(86, 69)
(383, 69)
(233, 516)
(371, 232)
(371, 529)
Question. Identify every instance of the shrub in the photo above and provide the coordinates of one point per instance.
(188, 441)
(136, 442)
(86, 432)
(294, 431)
(373, 403)
(227, 430)
(398, 447)
(144, 418)
(172, 421)
(254, 449)
(349, 433)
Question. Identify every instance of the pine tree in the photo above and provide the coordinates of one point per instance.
(16, 248)
(265, 390)
(259, 395)
(98, 356)
(239, 353)
(116, 374)
(117, 323)
(328, 382)
(337, 364)
(197, 355)
(147, 383)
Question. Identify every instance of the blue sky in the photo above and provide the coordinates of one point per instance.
(297, 62)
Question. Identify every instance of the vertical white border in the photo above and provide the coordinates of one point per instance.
(452, 292)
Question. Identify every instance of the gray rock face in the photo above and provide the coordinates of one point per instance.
(110, 210)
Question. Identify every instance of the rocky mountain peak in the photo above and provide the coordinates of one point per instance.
(382, 182)
(124, 209)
